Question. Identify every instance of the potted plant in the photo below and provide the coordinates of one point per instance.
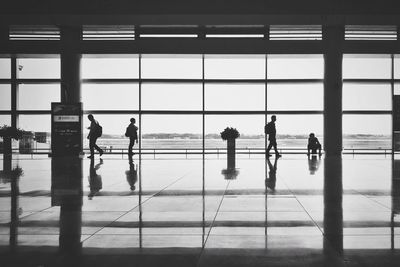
(8, 133)
(230, 174)
(230, 134)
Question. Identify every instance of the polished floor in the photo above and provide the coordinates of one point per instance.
(172, 211)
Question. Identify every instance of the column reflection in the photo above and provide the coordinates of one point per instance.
(67, 192)
(395, 196)
(333, 210)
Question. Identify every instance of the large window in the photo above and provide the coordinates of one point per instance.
(174, 96)
(171, 96)
(171, 67)
(235, 96)
(38, 96)
(367, 101)
(110, 66)
(234, 67)
(110, 96)
(38, 68)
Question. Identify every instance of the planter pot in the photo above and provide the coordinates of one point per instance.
(7, 154)
(7, 150)
(231, 153)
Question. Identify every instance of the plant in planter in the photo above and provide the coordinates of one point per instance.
(230, 134)
(8, 175)
(8, 133)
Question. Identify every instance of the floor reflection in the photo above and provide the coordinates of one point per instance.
(184, 213)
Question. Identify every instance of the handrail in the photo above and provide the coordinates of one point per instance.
(213, 151)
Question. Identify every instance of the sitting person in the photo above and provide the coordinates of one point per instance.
(313, 145)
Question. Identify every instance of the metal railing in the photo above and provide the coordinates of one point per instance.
(218, 151)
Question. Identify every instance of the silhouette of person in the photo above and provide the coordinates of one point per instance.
(93, 135)
(95, 182)
(131, 175)
(313, 164)
(131, 132)
(313, 145)
(270, 129)
(271, 181)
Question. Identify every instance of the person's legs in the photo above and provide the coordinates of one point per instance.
(131, 143)
(91, 146)
(97, 147)
(319, 148)
(276, 149)
(269, 148)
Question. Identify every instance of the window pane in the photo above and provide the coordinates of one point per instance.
(367, 131)
(38, 68)
(5, 68)
(293, 130)
(110, 96)
(250, 127)
(5, 120)
(43, 95)
(110, 67)
(295, 96)
(235, 96)
(366, 67)
(367, 96)
(396, 89)
(295, 67)
(35, 123)
(172, 66)
(168, 96)
(171, 131)
(114, 127)
(5, 97)
(234, 67)
(397, 66)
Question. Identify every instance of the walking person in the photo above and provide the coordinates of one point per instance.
(131, 132)
(95, 131)
(270, 129)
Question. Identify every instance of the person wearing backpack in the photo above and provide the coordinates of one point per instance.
(131, 132)
(95, 131)
(270, 129)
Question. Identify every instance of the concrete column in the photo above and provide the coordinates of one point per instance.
(70, 65)
(333, 37)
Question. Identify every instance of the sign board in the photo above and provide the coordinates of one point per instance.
(66, 129)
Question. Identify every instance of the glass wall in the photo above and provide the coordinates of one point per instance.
(295, 94)
(175, 96)
(367, 101)
(210, 91)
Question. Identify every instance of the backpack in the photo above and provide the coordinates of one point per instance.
(98, 131)
(268, 129)
(131, 131)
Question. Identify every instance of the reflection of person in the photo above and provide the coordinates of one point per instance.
(131, 175)
(271, 181)
(131, 132)
(313, 145)
(270, 129)
(94, 133)
(313, 163)
(95, 182)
